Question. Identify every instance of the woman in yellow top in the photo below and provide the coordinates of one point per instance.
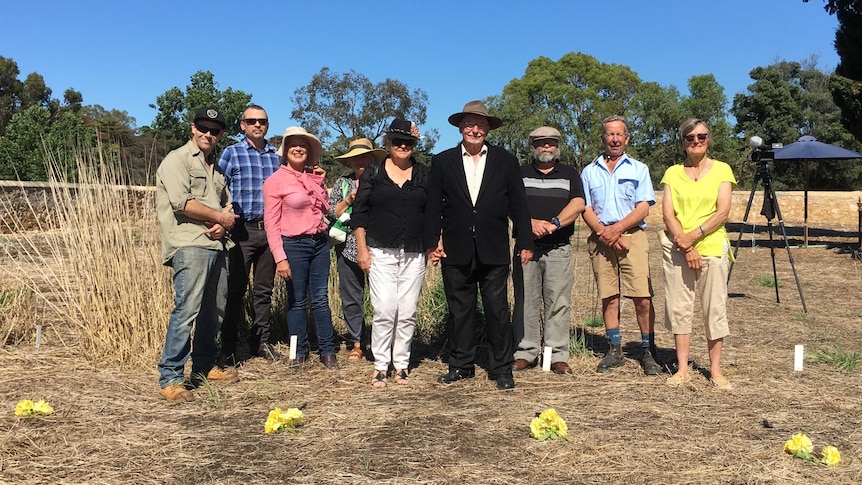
(695, 248)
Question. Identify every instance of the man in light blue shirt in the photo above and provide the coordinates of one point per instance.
(619, 193)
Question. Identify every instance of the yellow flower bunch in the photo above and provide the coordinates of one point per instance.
(800, 446)
(26, 407)
(279, 420)
(548, 425)
(830, 456)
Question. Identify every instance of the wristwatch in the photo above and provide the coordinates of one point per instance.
(555, 221)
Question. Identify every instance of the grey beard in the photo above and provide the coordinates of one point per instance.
(545, 157)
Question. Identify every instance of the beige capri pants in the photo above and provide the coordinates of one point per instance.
(682, 284)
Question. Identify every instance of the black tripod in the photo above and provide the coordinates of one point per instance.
(769, 210)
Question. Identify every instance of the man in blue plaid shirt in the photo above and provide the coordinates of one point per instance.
(246, 165)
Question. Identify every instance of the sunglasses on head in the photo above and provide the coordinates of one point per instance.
(397, 142)
(254, 121)
(205, 129)
(700, 137)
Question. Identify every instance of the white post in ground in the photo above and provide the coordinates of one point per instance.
(798, 358)
(38, 336)
(293, 347)
(546, 359)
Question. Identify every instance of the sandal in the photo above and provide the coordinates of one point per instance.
(402, 377)
(677, 380)
(355, 353)
(378, 379)
(720, 382)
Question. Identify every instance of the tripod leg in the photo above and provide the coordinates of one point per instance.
(774, 271)
(787, 246)
(744, 221)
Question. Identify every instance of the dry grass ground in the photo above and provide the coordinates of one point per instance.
(111, 427)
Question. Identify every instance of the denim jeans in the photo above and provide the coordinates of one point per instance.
(309, 268)
(200, 291)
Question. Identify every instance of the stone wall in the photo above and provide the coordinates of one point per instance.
(826, 210)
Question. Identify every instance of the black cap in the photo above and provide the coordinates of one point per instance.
(210, 114)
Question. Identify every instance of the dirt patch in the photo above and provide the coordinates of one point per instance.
(110, 426)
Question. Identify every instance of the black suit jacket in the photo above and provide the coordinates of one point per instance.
(450, 209)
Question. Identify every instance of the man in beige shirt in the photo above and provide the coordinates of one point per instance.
(194, 212)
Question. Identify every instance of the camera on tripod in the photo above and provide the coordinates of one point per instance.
(759, 151)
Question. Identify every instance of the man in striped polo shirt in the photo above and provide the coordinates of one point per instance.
(543, 286)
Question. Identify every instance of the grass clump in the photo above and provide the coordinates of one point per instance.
(767, 281)
(843, 359)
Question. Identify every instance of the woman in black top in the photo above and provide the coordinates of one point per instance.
(387, 220)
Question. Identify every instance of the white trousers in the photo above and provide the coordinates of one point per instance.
(394, 283)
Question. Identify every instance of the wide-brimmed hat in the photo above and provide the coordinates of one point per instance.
(361, 146)
(210, 114)
(475, 108)
(401, 129)
(545, 133)
(315, 149)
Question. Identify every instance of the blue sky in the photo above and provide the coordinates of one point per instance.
(122, 54)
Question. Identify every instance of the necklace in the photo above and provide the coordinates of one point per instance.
(700, 168)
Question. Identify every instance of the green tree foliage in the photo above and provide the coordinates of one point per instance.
(10, 90)
(788, 100)
(573, 94)
(22, 147)
(73, 99)
(34, 92)
(339, 107)
(654, 124)
(176, 109)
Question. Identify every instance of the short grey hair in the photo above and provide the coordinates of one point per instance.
(610, 119)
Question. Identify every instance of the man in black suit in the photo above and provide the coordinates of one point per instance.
(473, 191)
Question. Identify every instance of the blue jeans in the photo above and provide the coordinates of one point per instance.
(309, 268)
(200, 291)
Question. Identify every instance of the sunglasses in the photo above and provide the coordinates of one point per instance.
(205, 130)
(543, 142)
(254, 121)
(397, 142)
(700, 137)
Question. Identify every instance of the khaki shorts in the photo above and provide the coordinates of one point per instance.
(623, 273)
(682, 284)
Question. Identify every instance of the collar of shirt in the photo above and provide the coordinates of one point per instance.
(465, 153)
(600, 161)
(267, 147)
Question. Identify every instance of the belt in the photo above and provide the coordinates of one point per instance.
(319, 235)
(256, 224)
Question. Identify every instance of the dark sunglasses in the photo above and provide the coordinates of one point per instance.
(254, 121)
(700, 137)
(397, 142)
(212, 131)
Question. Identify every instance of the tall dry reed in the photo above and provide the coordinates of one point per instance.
(98, 265)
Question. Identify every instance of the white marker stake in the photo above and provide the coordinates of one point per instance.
(797, 359)
(546, 359)
(38, 336)
(293, 347)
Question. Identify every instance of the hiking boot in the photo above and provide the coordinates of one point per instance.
(176, 393)
(650, 366)
(227, 375)
(614, 358)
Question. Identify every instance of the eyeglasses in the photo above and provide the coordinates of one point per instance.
(206, 129)
(477, 124)
(700, 137)
(254, 121)
(541, 143)
(397, 142)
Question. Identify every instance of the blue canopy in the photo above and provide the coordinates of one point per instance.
(808, 148)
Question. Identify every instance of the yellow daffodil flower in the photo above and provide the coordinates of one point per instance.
(547, 425)
(799, 443)
(24, 408)
(279, 420)
(830, 456)
(42, 407)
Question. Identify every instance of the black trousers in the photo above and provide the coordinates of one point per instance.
(251, 253)
(461, 283)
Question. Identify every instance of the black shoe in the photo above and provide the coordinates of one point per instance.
(504, 381)
(650, 366)
(268, 352)
(298, 362)
(456, 375)
(228, 360)
(329, 361)
(610, 360)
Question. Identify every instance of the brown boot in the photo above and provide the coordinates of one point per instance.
(176, 393)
